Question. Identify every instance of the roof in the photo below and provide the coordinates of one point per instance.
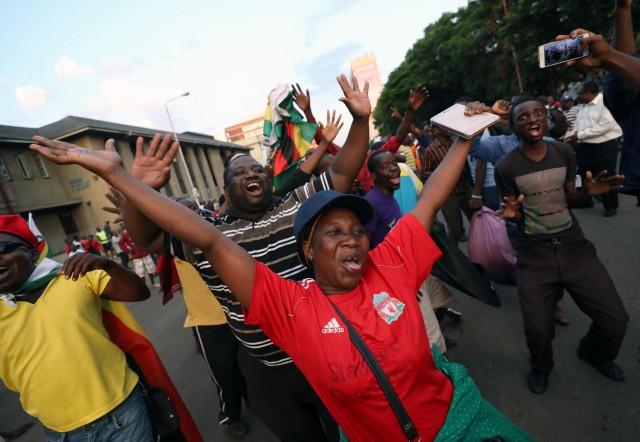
(17, 133)
(72, 125)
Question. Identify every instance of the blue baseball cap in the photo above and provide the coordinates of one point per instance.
(319, 203)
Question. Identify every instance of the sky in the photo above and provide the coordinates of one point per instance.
(121, 61)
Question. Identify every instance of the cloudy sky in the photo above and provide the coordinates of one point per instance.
(122, 60)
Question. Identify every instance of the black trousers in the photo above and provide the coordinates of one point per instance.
(285, 401)
(598, 157)
(220, 352)
(545, 269)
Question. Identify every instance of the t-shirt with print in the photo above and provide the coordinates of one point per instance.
(545, 209)
(384, 310)
(269, 240)
(386, 213)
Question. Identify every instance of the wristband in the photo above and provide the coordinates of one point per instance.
(476, 197)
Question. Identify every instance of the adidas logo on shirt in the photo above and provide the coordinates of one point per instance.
(332, 327)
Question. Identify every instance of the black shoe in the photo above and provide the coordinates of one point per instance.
(454, 315)
(608, 213)
(237, 429)
(537, 381)
(608, 368)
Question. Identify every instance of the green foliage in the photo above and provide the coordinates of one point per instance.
(470, 52)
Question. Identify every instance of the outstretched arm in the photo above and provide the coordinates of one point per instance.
(329, 133)
(349, 159)
(441, 183)
(416, 99)
(623, 40)
(234, 265)
(152, 167)
(601, 55)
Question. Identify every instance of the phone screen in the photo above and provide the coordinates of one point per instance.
(562, 51)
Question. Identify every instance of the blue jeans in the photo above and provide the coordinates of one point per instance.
(490, 197)
(128, 422)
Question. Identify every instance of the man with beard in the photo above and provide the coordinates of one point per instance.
(537, 181)
(263, 225)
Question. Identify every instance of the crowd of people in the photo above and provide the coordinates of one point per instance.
(316, 303)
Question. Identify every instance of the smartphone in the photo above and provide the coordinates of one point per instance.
(558, 52)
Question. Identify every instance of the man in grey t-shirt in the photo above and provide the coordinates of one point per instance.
(537, 183)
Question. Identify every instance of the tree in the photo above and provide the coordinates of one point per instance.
(471, 52)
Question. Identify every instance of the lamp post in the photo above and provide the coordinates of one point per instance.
(194, 190)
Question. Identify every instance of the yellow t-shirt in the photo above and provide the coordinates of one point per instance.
(202, 307)
(57, 354)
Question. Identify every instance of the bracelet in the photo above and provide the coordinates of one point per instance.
(476, 197)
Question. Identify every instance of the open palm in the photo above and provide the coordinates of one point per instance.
(154, 166)
(100, 162)
(356, 100)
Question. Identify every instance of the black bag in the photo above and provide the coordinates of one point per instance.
(455, 269)
(407, 425)
(162, 414)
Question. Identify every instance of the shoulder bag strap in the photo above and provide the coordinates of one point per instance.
(392, 397)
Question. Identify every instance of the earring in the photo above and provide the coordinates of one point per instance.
(309, 258)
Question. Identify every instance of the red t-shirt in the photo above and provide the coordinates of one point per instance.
(383, 308)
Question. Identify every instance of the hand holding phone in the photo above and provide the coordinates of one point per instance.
(562, 51)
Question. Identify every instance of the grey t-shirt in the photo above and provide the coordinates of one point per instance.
(545, 209)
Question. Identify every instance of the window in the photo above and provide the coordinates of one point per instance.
(42, 168)
(5, 175)
(24, 167)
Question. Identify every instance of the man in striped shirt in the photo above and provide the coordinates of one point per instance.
(570, 111)
(262, 224)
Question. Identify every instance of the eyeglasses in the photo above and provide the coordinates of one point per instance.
(9, 246)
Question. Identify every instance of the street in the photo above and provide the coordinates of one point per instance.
(580, 404)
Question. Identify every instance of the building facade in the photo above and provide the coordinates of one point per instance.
(365, 68)
(249, 134)
(67, 200)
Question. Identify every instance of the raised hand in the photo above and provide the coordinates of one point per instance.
(117, 201)
(501, 108)
(417, 97)
(357, 101)
(511, 207)
(154, 166)
(598, 48)
(330, 131)
(601, 183)
(100, 162)
(395, 113)
(81, 263)
(302, 99)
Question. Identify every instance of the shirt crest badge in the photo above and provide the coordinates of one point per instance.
(387, 307)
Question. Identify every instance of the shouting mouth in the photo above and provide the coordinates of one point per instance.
(534, 131)
(352, 264)
(254, 188)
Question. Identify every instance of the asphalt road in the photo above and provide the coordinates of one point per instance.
(580, 404)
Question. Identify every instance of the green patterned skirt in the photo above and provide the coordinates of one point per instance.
(470, 417)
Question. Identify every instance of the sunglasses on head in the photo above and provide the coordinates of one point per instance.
(9, 246)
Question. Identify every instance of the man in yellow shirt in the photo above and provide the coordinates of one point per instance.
(54, 349)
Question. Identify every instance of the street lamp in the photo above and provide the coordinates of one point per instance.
(194, 190)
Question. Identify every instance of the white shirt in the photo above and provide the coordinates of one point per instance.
(595, 124)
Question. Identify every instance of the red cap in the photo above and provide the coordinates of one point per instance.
(17, 226)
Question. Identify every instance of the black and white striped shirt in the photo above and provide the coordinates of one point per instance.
(270, 240)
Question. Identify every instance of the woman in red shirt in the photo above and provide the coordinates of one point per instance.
(376, 291)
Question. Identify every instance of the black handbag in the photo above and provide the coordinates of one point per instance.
(407, 425)
(162, 414)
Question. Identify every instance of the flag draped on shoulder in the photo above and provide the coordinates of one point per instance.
(126, 333)
(286, 136)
